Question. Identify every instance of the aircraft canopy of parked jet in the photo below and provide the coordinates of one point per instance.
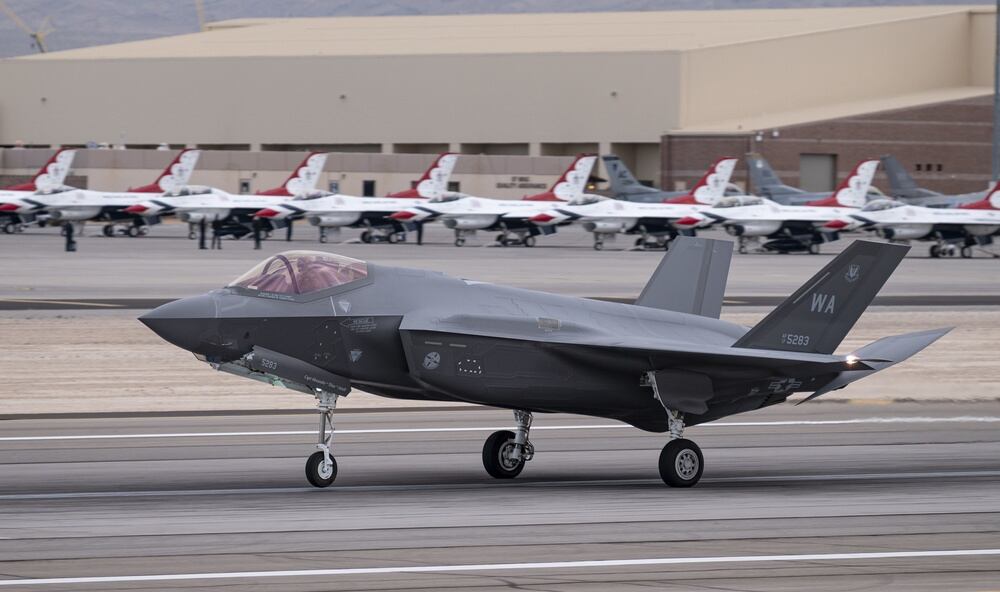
(877, 205)
(736, 201)
(300, 273)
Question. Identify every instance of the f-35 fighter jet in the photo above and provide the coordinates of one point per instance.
(322, 324)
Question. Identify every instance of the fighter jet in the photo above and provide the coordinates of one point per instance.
(51, 175)
(61, 204)
(904, 188)
(951, 230)
(322, 324)
(657, 223)
(765, 183)
(791, 228)
(335, 211)
(466, 214)
(234, 212)
(626, 187)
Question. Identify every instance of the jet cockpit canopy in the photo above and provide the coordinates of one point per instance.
(295, 273)
(586, 199)
(877, 205)
(447, 196)
(735, 201)
(189, 190)
(314, 194)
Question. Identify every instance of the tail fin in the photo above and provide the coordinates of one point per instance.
(303, 179)
(990, 201)
(879, 355)
(52, 174)
(818, 315)
(764, 181)
(712, 186)
(176, 175)
(900, 181)
(434, 181)
(621, 180)
(691, 277)
(853, 190)
(571, 183)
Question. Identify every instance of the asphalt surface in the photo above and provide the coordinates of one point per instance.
(888, 497)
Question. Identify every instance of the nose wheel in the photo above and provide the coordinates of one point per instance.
(505, 452)
(321, 467)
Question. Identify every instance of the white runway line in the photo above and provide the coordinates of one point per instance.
(492, 485)
(488, 567)
(603, 426)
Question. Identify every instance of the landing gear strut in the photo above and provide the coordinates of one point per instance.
(505, 452)
(681, 462)
(321, 468)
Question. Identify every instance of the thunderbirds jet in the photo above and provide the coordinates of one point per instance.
(952, 230)
(62, 204)
(791, 228)
(466, 214)
(606, 218)
(625, 186)
(51, 175)
(322, 324)
(328, 210)
(765, 183)
(904, 188)
(196, 203)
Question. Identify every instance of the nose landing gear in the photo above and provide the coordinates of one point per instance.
(506, 452)
(681, 462)
(321, 467)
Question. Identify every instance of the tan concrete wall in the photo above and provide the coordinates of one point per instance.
(982, 44)
(389, 99)
(759, 78)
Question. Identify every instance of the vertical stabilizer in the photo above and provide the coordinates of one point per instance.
(176, 175)
(303, 178)
(51, 175)
(571, 184)
(691, 277)
(434, 182)
(621, 180)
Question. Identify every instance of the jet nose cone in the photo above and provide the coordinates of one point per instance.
(185, 323)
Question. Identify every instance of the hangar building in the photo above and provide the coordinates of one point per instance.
(813, 89)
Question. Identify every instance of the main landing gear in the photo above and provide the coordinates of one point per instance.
(321, 468)
(681, 461)
(505, 452)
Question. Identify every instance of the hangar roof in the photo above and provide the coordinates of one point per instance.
(498, 33)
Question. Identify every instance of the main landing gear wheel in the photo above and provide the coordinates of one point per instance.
(108, 230)
(598, 245)
(935, 251)
(133, 231)
(505, 452)
(966, 252)
(320, 473)
(366, 236)
(459, 242)
(814, 249)
(529, 241)
(681, 463)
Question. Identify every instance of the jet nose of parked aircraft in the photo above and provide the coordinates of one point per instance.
(187, 323)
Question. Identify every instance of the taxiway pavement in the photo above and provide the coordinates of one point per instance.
(822, 496)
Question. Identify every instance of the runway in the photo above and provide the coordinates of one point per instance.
(871, 497)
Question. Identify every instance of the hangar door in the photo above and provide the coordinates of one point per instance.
(817, 172)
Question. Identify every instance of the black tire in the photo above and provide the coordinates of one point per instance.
(108, 230)
(317, 477)
(742, 250)
(366, 237)
(133, 231)
(503, 242)
(459, 242)
(9, 228)
(393, 238)
(322, 237)
(814, 249)
(496, 458)
(681, 463)
(966, 252)
(192, 235)
(500, 238)
(935, 252)
(598, 245)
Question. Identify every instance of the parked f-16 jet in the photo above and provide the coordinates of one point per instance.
(466, 214)
(765, 183)
(61, 204)
(322, 324)
(657, 223)
(624, 186)
(904, 188)
(952, 230)
(51, 175)
(335, 211)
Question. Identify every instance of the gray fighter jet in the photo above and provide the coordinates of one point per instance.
(904, 188)
(322, 324)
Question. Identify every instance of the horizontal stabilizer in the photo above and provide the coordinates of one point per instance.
(879, 355)
(691, 277)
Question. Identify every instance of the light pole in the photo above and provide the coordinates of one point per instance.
(996, 102)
